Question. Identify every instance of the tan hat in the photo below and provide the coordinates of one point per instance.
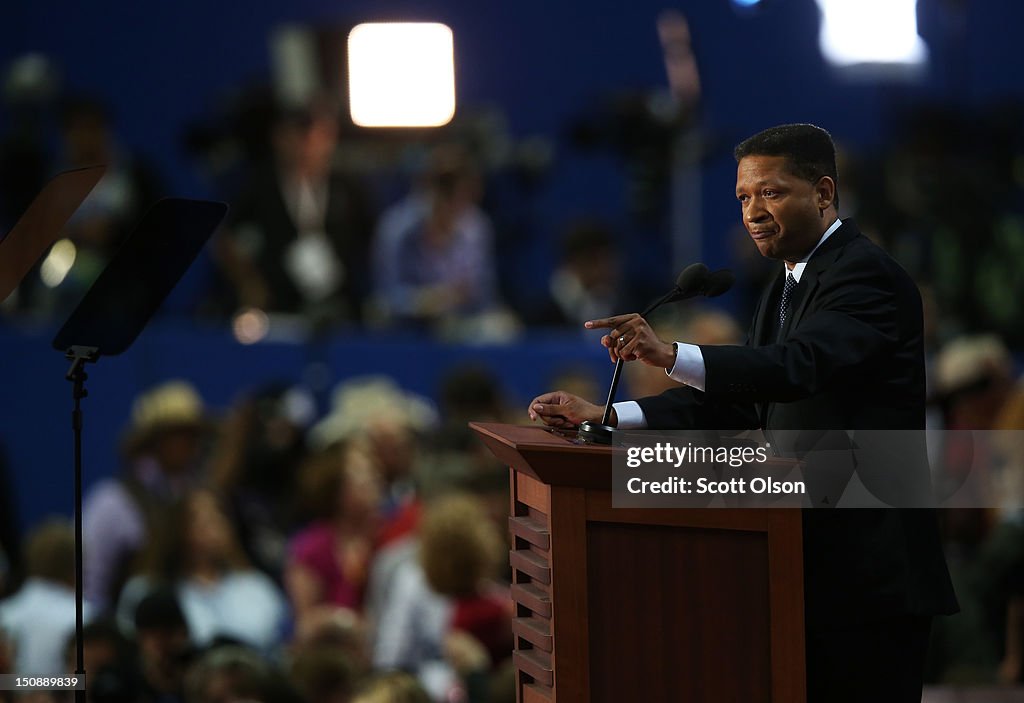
(169, 405)
(359, 403)
(968, 359)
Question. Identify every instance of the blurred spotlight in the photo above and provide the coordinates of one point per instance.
(880, 32)
(401, 74)
(250, 326)
(748, 8)
(58, 262)
(29, 78)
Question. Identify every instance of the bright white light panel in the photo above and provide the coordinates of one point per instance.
(401, 74)
(871, 32)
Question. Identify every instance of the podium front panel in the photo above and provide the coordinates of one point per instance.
(653, 605)
(677, 614)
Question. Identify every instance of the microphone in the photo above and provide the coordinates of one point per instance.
(689, 282)
(693, 281)
(718, 282)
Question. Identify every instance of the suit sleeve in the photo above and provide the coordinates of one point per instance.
(686, 408)
(850, 327)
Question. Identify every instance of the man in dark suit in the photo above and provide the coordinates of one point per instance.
(835, 345)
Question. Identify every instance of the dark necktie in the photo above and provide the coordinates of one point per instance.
(787, 294)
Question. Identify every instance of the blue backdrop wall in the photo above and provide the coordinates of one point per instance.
(542, 62)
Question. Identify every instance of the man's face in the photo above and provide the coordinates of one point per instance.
(781, 211)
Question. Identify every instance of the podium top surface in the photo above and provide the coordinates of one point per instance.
(557, 458)
(535, 436)
(549, 456)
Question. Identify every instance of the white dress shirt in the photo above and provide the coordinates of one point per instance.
(689, 367)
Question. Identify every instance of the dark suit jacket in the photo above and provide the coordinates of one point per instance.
(348, 226)
(850, 357)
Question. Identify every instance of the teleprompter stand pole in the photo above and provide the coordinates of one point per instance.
(79, 357)
(114, 312)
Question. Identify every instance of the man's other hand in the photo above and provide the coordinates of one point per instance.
(561, 409)
(632, 338)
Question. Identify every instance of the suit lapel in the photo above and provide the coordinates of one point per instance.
(821, 260)
(762, 323)
(765, 326)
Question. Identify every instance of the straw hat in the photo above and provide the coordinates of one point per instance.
(171, 405)
(364, 402)
(969, 360)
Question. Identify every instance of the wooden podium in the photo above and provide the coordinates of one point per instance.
(644, 605)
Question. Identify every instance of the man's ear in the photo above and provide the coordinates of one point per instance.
(825, 189)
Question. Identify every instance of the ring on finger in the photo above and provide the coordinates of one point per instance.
(622, 339)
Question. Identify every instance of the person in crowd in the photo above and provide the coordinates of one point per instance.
(255, 465)
(973, 379)
(196, 553)
(164, 646)
(377, 418)
(997, 577)
(393, 687)
(110, 660)
(298, 236)
(162, 454)
(433, 256)
(324, 675)
(228, 674)
(447, 595)
(328, 561)
(587, 282)
(332, 627)
(456, 454)
(40, 616)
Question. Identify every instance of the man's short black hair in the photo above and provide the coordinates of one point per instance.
(809, 151)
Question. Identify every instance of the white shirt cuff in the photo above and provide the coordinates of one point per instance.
(630, 416)
(689, 367)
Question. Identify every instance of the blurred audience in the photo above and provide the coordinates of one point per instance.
(375, 417)
(997, 581)
(229, 674)
(394, 687)
(972, 381)
(324, 675)
(297, 239)
(447, 604)
(255, 467)
(40, 616)
(110, 660)
(195, 552)
(165, 652)
(973, 376)
(334, 628)
(329, 560)
(587, 283)
(161, 456)
(433, 255)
